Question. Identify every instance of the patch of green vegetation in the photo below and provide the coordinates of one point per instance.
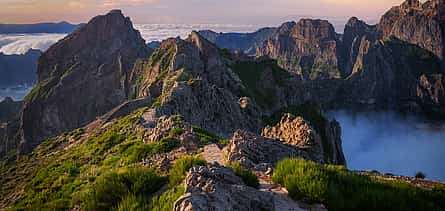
(420, 60)
(40, 90)
(57, 177)
(165, 201)
(124, 188)
(251, 74)
(248, 177)
(310, 112)
(180, 168)
(131, 202)
(159, 100)
(207, 137)
(76, 134)
(176, 131)
(340, 189)
(226, 53)
(134, 151)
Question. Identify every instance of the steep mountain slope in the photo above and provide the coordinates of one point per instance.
(81, 77)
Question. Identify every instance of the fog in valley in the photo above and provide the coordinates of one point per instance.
(391, 143)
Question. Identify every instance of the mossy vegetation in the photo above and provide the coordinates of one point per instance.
(249, 178)
(251, 74)
(207, 137)
(340, 189)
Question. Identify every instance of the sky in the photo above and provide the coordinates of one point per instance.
(190, 11)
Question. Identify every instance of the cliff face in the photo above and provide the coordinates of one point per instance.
(309, 48)
(81, 77)
(417, 23)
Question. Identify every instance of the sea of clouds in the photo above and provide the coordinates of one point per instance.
(21, 43)
(391, 143)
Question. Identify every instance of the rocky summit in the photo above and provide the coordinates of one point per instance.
(81, 77)
(219, 121)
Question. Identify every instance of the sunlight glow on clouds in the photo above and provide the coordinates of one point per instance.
(187, 11)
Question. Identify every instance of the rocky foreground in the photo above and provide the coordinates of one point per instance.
(113, 124)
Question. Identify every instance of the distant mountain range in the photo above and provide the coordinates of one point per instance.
(62, 27)
(18, 69)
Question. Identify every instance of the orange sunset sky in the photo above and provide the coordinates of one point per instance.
(188, 11)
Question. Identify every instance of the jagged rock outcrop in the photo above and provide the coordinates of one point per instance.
(81, 77)
(310, 48)
(354, 33)
(215, 187)
(244, 42)
(191, 78)
(387, 73)
(422, 24)
(252, 150)
(431, 93)
(291, 137)
(296, 131)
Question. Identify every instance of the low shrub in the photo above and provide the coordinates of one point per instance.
(207, 137)
(180, 168)
(132, 202)
(165, 201)
(112, 188)
(248, 177)
(340, 189)
(420, 175)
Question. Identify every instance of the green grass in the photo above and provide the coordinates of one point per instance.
(340, 189)
(124, 188)
(55, 176)
(165, 201)
(248, 177)
(251, 73)
(132, 202)
(180, 168)
(207, 137)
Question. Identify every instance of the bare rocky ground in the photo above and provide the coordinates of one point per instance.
(212, 153)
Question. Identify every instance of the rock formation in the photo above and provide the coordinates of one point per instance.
(417, 23)
(310, 48)
(291, 137)
(243, 42)
(296, 131)
(81, 77)
(252, 150)
(218, 188)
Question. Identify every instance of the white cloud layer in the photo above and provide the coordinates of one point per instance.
(20, 44)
